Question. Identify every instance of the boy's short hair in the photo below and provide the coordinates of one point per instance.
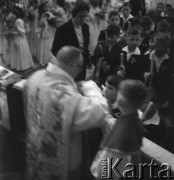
(135, 21)
(133, 31)
(113, 13)
(162, 38)
(152, 14)
(163, 26)
(146, 22)
(127, 4)
(93, 3)
(169, 6)
(114, 80)
(113, 29)
(134, 92)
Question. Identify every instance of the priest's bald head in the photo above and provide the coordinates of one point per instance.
(70, 60)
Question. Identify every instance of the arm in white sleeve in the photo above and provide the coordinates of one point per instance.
(92, 108)
(20, 26)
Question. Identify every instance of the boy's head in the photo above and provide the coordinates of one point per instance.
(93, 3)
(161, 42)
(163, 27)
(112, 33)
(131, 95)
(136, 22)
(145, 26)
(112, 83)
(168, 7)
(114, 17)
(126, 9)
(160, 7)
(152, 15)
(133, 38)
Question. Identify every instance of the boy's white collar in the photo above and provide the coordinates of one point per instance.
(135, 52)
(152, 56)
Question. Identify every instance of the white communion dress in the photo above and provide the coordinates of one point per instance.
(19, 56)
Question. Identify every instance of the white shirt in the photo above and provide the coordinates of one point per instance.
(126, 19)
(155, 119)
(158, 60)
(129, 54)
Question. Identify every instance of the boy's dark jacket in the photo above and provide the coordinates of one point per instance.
(136, 66)
(112, 58)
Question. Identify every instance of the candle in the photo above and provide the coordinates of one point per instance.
(151, 65)
(121, 59)
(101, 50)
(150, 108)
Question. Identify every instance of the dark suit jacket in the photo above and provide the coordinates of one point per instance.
(126, 135)
(125, 26)
(102, 36)
(65, 35)
(136, 67)
(112, 58)
(162, 79)
(144, 46)
(138, 5)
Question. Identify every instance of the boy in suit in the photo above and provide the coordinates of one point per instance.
(126, 16)
(110, 92)
(125, 139)
(109, 51)
(134, 64)
(160, 67)
(113, 18)
(145, 24)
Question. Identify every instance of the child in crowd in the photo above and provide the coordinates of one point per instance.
(145, 25)
(107, 54)
(138, 7)
(160, 9)
(45, 34)
(168, 10)
(163, 26)
(134, 64)
(19, 56)
(135, 22)
(32, 19)
(68, 6)
(160, 67)
(95, 24)
(125, 140)
(153, 16)
(126, 16)
(110, 92)
(113, 18)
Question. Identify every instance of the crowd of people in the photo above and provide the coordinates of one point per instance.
(107, 82)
